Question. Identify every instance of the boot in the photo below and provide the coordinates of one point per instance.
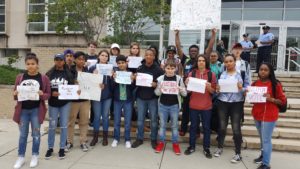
(105, 141)
(95, 139)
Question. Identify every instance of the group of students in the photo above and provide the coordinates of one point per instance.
(160, 106)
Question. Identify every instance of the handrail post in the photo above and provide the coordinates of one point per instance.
(289, 60)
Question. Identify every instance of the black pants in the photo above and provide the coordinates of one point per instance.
(186, 115)
(263, 55)
(246, 56)
(233, 111)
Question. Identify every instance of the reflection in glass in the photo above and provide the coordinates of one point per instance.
(263, 14)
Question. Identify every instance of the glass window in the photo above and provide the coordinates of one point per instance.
(232, 3)
(225, 35)
(2, 15)
(292, 3)
(2, 2)
(292, 14)
(263, 14)
(264, 4)
(293, 40)
(231, 14)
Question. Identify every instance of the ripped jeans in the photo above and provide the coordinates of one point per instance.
(63, 113)
(29, 116)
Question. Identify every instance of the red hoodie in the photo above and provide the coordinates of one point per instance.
(200, 101)
(268, 111)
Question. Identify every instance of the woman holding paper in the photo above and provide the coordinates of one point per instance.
(230, 105)
(29, 111)
(266, 114)
(59, 74)
(101, 108)
(200, 103)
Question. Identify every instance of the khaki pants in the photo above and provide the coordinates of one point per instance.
(83, 108)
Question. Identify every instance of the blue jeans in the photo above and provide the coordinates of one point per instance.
(127, 107)
(143, 107)
(63, 113)
(195, 119)
(101, 111)
(164, 112)
(265, 130)
(29, 116)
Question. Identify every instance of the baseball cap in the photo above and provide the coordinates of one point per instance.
(115, 45)
(69, 51)
(171, 48)
(246, 35)
(59, 56)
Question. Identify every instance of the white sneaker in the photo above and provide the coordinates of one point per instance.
(19, 163)
(34, 161)
(127, 144)
(114, 143)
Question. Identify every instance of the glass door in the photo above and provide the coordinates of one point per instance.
(234, 35)
(254, 33)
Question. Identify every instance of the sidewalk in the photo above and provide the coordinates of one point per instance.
(121, 158)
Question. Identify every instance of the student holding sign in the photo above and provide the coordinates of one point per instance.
(122, 100)
(80, 106)
(147, 100)
(101, 108)
(230, 105)
(201, 105)
(59, 74)
(266, 114)
(30, 112)
(170, 88)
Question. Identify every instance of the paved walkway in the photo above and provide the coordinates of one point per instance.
(121, 158)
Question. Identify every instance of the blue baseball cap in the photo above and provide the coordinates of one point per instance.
(68, 51)
(59, 56)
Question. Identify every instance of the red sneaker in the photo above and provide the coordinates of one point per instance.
(176, 149)
(159, 147)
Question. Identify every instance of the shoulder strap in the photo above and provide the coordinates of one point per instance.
(193, 73)
(209, 74)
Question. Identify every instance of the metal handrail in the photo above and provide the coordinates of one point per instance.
(297, 50)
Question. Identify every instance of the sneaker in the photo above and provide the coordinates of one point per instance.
(182, 133)
(189, 150)
(236, 158)
(159, 147)
(218, 152)
(153, 144)
(61, 154)
(127, 144)
(176, 148)
(263, 166)
(84, 147)
(114, 143)
(34, 161)
(68, 147)
(19, 163)
(49, 154)
(137, 143)
(258, 160)
(207, 153)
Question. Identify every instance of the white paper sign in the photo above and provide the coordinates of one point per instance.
(89, 84)
(169, 87)
(105, 69)
(256, 94)
(123, 77)
(28, 93)
(112, 60)
(143, 79)
(68, 92)
(91, 62)
(134, 62)
(195, 14)
(228, 86)
(196, 85)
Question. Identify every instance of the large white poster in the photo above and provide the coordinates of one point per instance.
(89, 85)
(195, 14)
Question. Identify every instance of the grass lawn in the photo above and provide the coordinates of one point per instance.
(8, 75)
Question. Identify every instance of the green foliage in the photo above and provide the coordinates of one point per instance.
(12, 59)
(8, 75)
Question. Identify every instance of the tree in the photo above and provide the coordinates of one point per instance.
(129, 18)
(88, 17)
